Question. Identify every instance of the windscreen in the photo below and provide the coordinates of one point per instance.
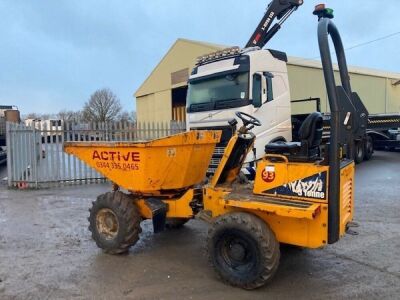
(219, 92)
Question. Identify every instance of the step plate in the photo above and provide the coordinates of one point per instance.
(286, 208)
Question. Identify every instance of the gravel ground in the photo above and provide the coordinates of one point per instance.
(46, 251)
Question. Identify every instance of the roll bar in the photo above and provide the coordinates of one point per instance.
(342, 109)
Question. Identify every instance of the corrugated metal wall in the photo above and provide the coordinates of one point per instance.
(378, 93)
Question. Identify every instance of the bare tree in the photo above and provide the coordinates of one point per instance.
(31, 116)
(38, 116)
(46, 116)
(127, 116)
(65, 115)
(69, 115)
(103, 106)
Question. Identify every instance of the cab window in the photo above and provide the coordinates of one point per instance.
(268, 80)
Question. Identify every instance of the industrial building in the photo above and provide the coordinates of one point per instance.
(162, 96)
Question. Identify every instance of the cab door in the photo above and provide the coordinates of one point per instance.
(265, 111)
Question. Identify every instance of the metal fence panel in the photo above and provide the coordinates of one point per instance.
(35, 153)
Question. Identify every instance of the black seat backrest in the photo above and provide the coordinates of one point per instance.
(311, 130)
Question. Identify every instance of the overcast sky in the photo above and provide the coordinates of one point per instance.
(54, 54)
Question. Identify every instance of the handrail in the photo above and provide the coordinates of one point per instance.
(284, 158)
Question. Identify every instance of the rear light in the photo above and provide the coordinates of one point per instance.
(322, 12)
(319, 7)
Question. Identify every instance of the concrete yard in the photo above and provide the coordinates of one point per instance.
(46, 251)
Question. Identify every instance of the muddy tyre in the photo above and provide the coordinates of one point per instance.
(175, 223)
(359, 152)
(369, 148)
(114, 221)
(243, 250)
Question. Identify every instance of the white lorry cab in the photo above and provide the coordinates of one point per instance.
(251, 81)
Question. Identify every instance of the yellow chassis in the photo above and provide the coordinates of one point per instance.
(297, 216)
(300, 221)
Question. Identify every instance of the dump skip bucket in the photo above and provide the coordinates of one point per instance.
(170, 163)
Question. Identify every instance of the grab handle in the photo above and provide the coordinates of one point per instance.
(282, 157)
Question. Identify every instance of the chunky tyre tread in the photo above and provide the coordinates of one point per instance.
(128, 218)
(260, 231)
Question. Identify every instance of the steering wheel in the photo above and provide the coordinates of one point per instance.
(247, 119)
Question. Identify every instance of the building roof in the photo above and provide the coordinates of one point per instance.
(292, 60)
(206, 44)
(208, 47)
(310, 63)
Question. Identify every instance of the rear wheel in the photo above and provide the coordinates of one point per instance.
(175, 223)
(243, 250)
(114, 221)
(360, 153)
(369, 148)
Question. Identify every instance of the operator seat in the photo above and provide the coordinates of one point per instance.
(310, 135)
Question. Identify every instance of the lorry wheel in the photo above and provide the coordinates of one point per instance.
(175, 223)
(359, 155)
(243, 250)
(114, 221)
(368, 148)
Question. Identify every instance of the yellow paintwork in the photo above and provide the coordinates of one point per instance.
(286, 172)
(174, 162)
(279, 210)
(296, 228)
(177, 208)
(301, 226)
(299, 221)
(346, 196)
(161, 167)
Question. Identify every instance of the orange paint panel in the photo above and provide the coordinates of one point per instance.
(171, 163)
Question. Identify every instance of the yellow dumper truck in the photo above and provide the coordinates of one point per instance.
(299, 197)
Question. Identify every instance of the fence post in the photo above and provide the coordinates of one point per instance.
(152, 130)
(36, 144)
(8, 143)
(57, 152)
(149, 130)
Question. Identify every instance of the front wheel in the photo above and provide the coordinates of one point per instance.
(243, 250)
(114, 221)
